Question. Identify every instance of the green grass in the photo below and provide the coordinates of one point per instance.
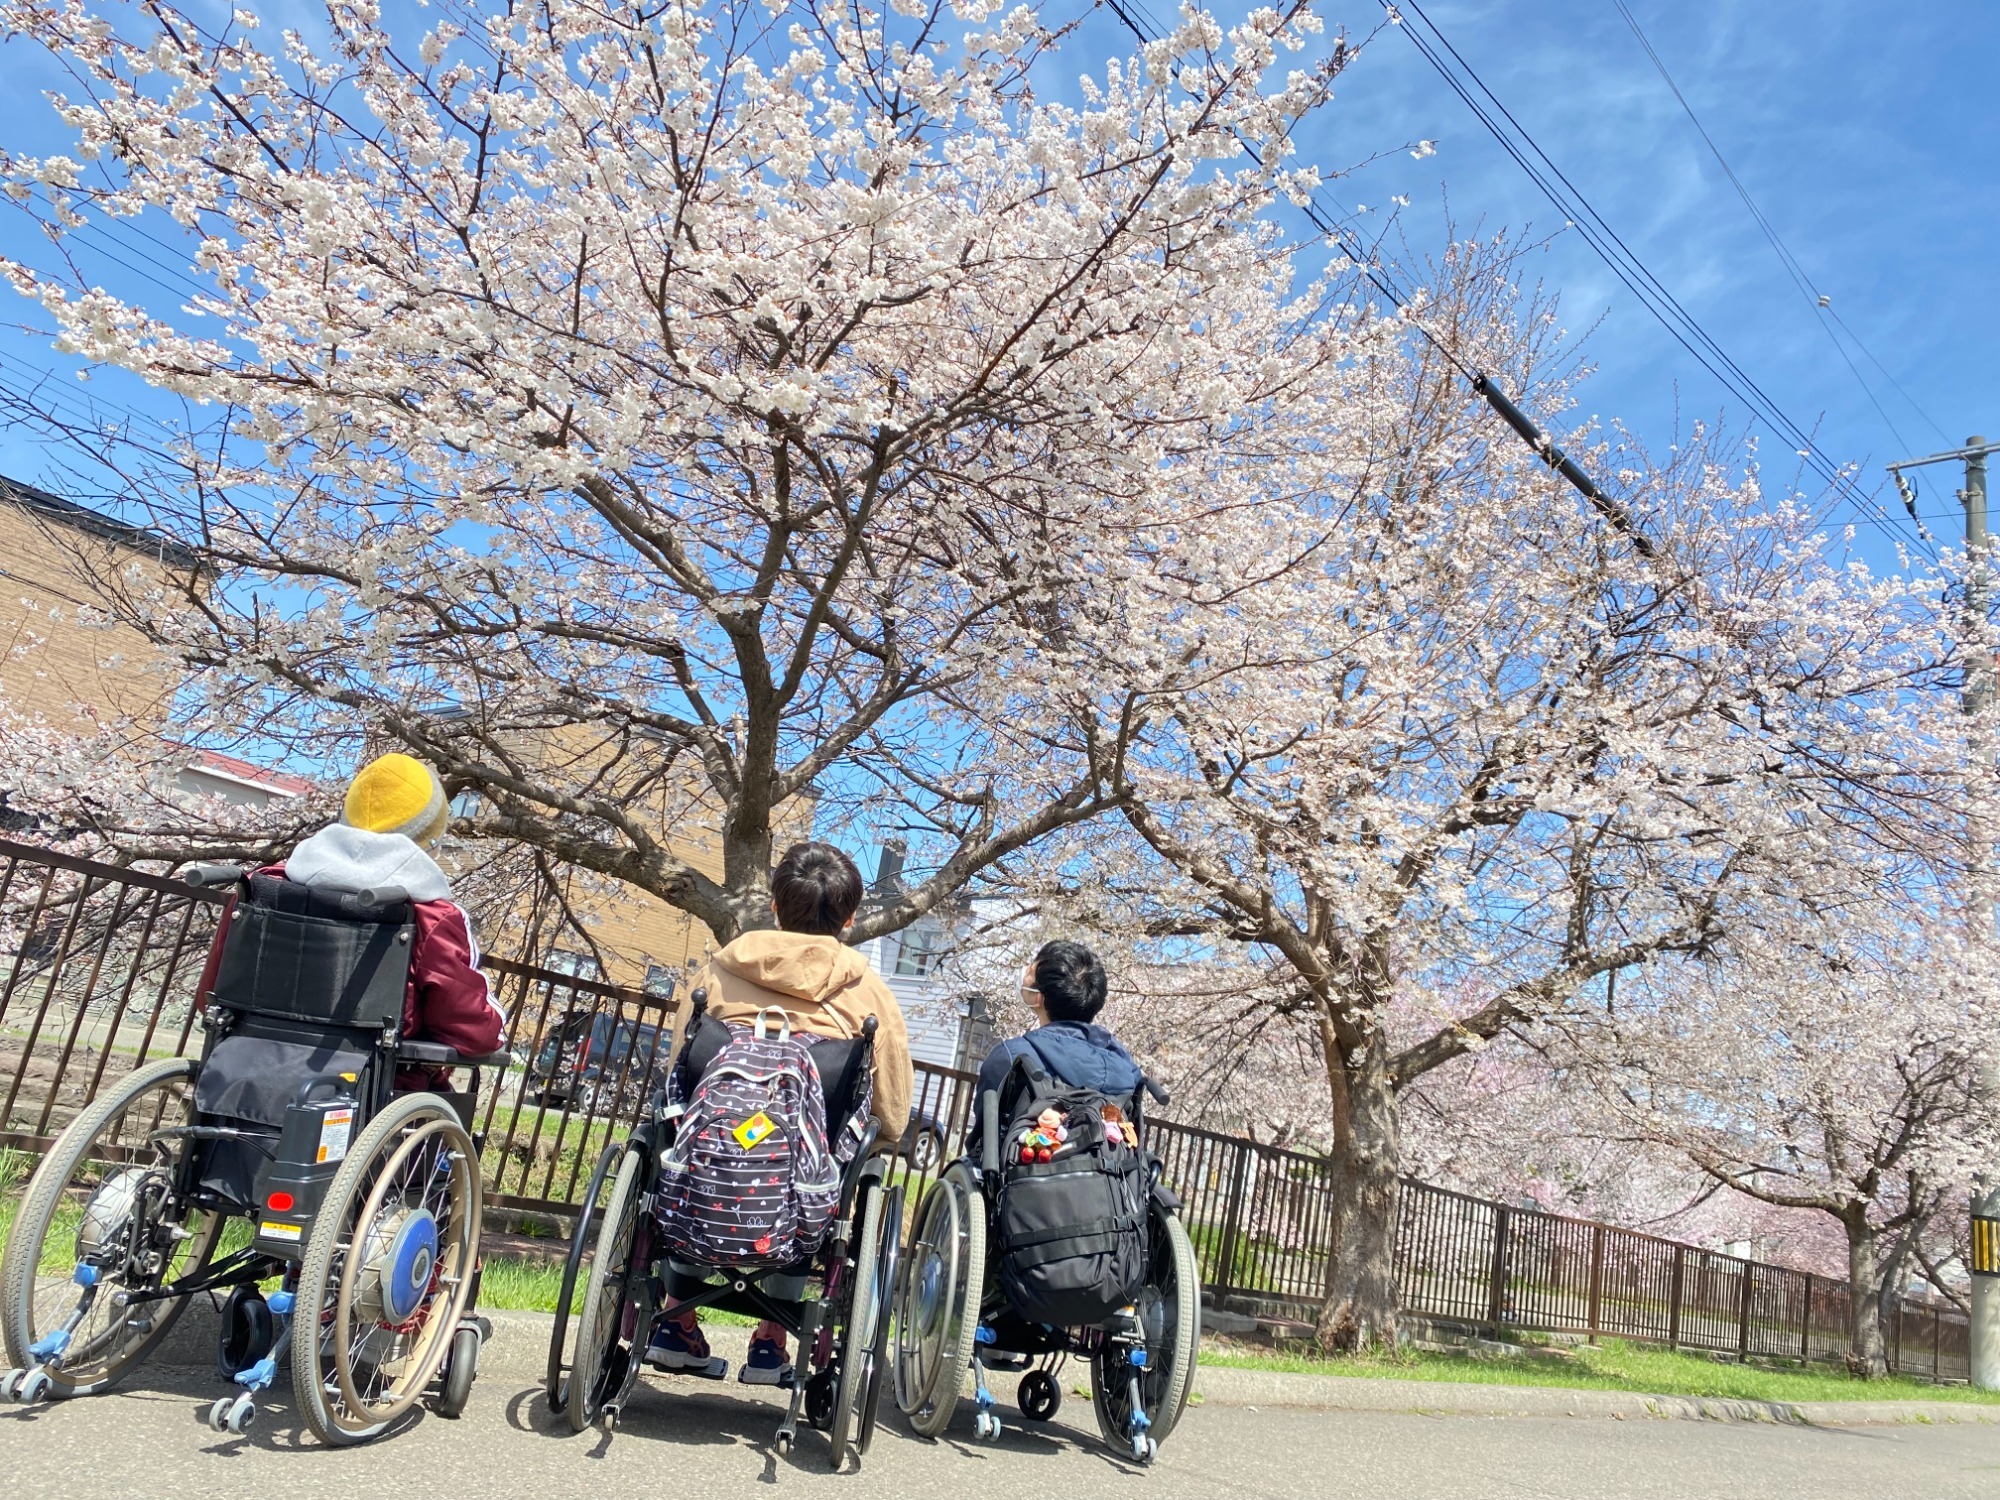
(1611, 1366)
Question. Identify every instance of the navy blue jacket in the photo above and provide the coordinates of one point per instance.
(1079, 1054)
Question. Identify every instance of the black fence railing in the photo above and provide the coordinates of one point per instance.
(99, 967)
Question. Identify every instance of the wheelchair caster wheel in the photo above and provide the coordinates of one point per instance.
(242, 1412)
(218, 1414)
(1144, 1449)
(986, 1427)
(8, 1380)
(1040, 1395)
(30, 1386)
(784, 1445)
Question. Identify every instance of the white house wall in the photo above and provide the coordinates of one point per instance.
(932, 1020)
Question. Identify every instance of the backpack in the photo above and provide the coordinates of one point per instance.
(1071, 1230)
(749, 1181)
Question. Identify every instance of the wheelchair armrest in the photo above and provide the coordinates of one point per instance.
(437, 1055)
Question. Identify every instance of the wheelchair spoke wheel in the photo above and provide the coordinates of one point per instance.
(862, 1326)
(388, 1271)
(1169, 1310)
(937, 1301)
(616, 1315)
(556, 1384)
(101, 1209)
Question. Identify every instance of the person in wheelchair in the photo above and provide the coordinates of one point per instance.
(1055, 1235)
(394, 814)
(825, 989)
(1065, 986)
(333, 978)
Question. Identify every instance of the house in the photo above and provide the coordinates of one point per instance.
(62, 657)
(950, 1025)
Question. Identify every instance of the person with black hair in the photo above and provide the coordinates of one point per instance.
(827, 989)
(1065, 986)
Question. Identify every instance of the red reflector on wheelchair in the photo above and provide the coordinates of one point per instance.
(279, 1203)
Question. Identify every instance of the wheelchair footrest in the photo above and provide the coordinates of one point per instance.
(717, 1367)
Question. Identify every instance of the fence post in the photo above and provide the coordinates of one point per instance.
(1937, 1343)
(1496, 1291)
(1743, 1317)
(1596, 1278)
(1233, 1221)
(1805, 1322)
(1674, 1299)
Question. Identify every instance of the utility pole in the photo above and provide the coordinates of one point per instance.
(1985, 1267)
(1977, 696)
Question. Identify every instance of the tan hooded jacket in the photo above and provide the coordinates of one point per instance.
(827, 989)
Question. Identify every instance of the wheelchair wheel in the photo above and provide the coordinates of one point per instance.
(556, 1384)
(937, 1301)
(863, 1337)
(1170, 1312)
(101, 1202)
(616, 1316)
(388, 1271)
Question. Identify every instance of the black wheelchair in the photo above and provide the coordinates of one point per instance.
(832, 1304)
(949, 1312)
(283, 1154)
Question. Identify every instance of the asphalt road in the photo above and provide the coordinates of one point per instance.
(684, 1438)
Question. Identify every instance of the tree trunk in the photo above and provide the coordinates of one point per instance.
(1865, 1355)
(1359, 1310)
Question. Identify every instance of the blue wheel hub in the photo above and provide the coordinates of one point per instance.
(403, 1264)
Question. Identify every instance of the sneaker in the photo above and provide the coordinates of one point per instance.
(680, 1346)
(766, 1365)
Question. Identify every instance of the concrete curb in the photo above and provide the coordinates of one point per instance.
(1254, 1388)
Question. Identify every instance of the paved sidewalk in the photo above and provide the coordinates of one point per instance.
(707, 1442)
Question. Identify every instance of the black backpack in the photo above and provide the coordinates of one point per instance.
(1071, 1230)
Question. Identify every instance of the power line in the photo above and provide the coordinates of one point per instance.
(1815, 299)
(1624, 263)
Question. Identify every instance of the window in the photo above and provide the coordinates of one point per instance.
(660, 981)
(576, 965)
(917, 952)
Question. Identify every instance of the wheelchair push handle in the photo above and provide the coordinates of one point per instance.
(381, 895)
(989, 1132)
(207, 876)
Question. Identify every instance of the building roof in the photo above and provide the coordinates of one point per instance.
(83, 518)
(215, 763)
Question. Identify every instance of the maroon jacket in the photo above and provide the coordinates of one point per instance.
(448, 999)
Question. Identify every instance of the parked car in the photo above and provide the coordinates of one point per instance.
(588, 1056)
(926, 1142)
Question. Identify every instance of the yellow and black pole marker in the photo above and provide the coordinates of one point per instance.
(1985, 1245)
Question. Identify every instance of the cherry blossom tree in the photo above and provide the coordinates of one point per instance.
(1828, 1063)
(650, 415)
(1448, 747)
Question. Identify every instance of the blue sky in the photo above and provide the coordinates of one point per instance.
(1864, 132)
(1866, 135)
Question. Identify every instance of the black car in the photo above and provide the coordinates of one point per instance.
(588, 1056)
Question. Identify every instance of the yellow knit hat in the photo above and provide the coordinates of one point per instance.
(397, 793)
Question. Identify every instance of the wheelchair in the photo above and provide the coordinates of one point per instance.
(948, 1311)
(283, 1154)
(832, 1305)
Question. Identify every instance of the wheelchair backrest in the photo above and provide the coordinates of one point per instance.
(318, 959)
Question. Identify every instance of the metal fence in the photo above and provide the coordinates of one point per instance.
(101, 966)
